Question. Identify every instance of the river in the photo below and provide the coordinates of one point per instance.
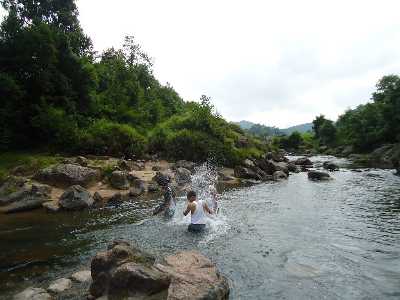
(296, 239)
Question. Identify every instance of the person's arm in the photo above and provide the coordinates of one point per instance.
(188, 209)
(207, 209)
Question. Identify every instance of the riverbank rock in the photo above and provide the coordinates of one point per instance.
(124, 271)
(76, 198)
(60, 285)
(66, 175)
(33, 294)
(303, 161)
(246, 173)
(138, 188)
(183, 176)
(162, 178)
(317, 176)
(185, 164)
(51, 206)
(327, 165)
(28, 197)
(292, 167)
(119, 180)
(279, 176)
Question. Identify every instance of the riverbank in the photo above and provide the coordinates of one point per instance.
(277, 239)
(77, 183)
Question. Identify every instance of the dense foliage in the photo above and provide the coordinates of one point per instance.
(57, 92)
(368, 126)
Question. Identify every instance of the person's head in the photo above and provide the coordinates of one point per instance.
(191, 196)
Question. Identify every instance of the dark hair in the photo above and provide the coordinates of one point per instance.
(191, 194)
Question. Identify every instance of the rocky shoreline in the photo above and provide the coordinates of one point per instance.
(93, 182)
(123, 271)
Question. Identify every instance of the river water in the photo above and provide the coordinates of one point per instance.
(296, 239)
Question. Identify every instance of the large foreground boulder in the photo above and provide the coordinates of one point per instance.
(318, 176)
(279, 176)
(124, 271)
(66, 175)
(76, 198)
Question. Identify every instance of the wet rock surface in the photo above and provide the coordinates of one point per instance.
(33, 294)
(124, 271)
(318, 176)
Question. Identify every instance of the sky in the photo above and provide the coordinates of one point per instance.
(278, 63)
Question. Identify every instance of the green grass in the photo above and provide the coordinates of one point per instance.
(30, 162)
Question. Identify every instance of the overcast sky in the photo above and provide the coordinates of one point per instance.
(273, 62)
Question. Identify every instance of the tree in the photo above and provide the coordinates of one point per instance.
(327, 133)
(317, 123)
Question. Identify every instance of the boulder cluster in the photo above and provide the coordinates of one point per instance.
(125, 272)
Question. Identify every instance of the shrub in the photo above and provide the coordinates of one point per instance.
(108, 138)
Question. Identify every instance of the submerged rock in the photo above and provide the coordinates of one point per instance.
(124, 271)
(317, 175)
(33, 294)
(303, 161)
(327, 165)
(60, 285)
(76, 198)
(66, 175)
(82, 276)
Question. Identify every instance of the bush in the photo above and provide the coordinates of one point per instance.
(104, 137)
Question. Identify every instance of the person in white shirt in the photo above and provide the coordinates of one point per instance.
(197, 209)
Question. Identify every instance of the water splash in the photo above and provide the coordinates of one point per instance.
(203, 182)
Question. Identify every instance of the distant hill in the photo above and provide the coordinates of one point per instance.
(300, 128)
(245, 124)
(262, 130)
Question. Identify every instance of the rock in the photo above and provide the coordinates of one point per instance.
(303, 161)
(276, 157)
(156, 168)
(118, 198)
(223, 177)
(137, 188)
(347, 151)
(138, 166)
(82, 276)
(293, 168)
(29, 197)
(60, 285)
(104, 264)
(119, 180)
(153, 187)
(51, 206)
(327, 165)
(124, 165)
(183, 176)
(66, 175)
(10, 185)
(246, 173)
(280, 175)
(33, 294)
(270, 166)
(185, 164)
(132, 278)
(316, 175)
(122, 272)
(248, 163)
(76, 198)
(102, 197)
(193, 276)
(162, 178)
(82, 161)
